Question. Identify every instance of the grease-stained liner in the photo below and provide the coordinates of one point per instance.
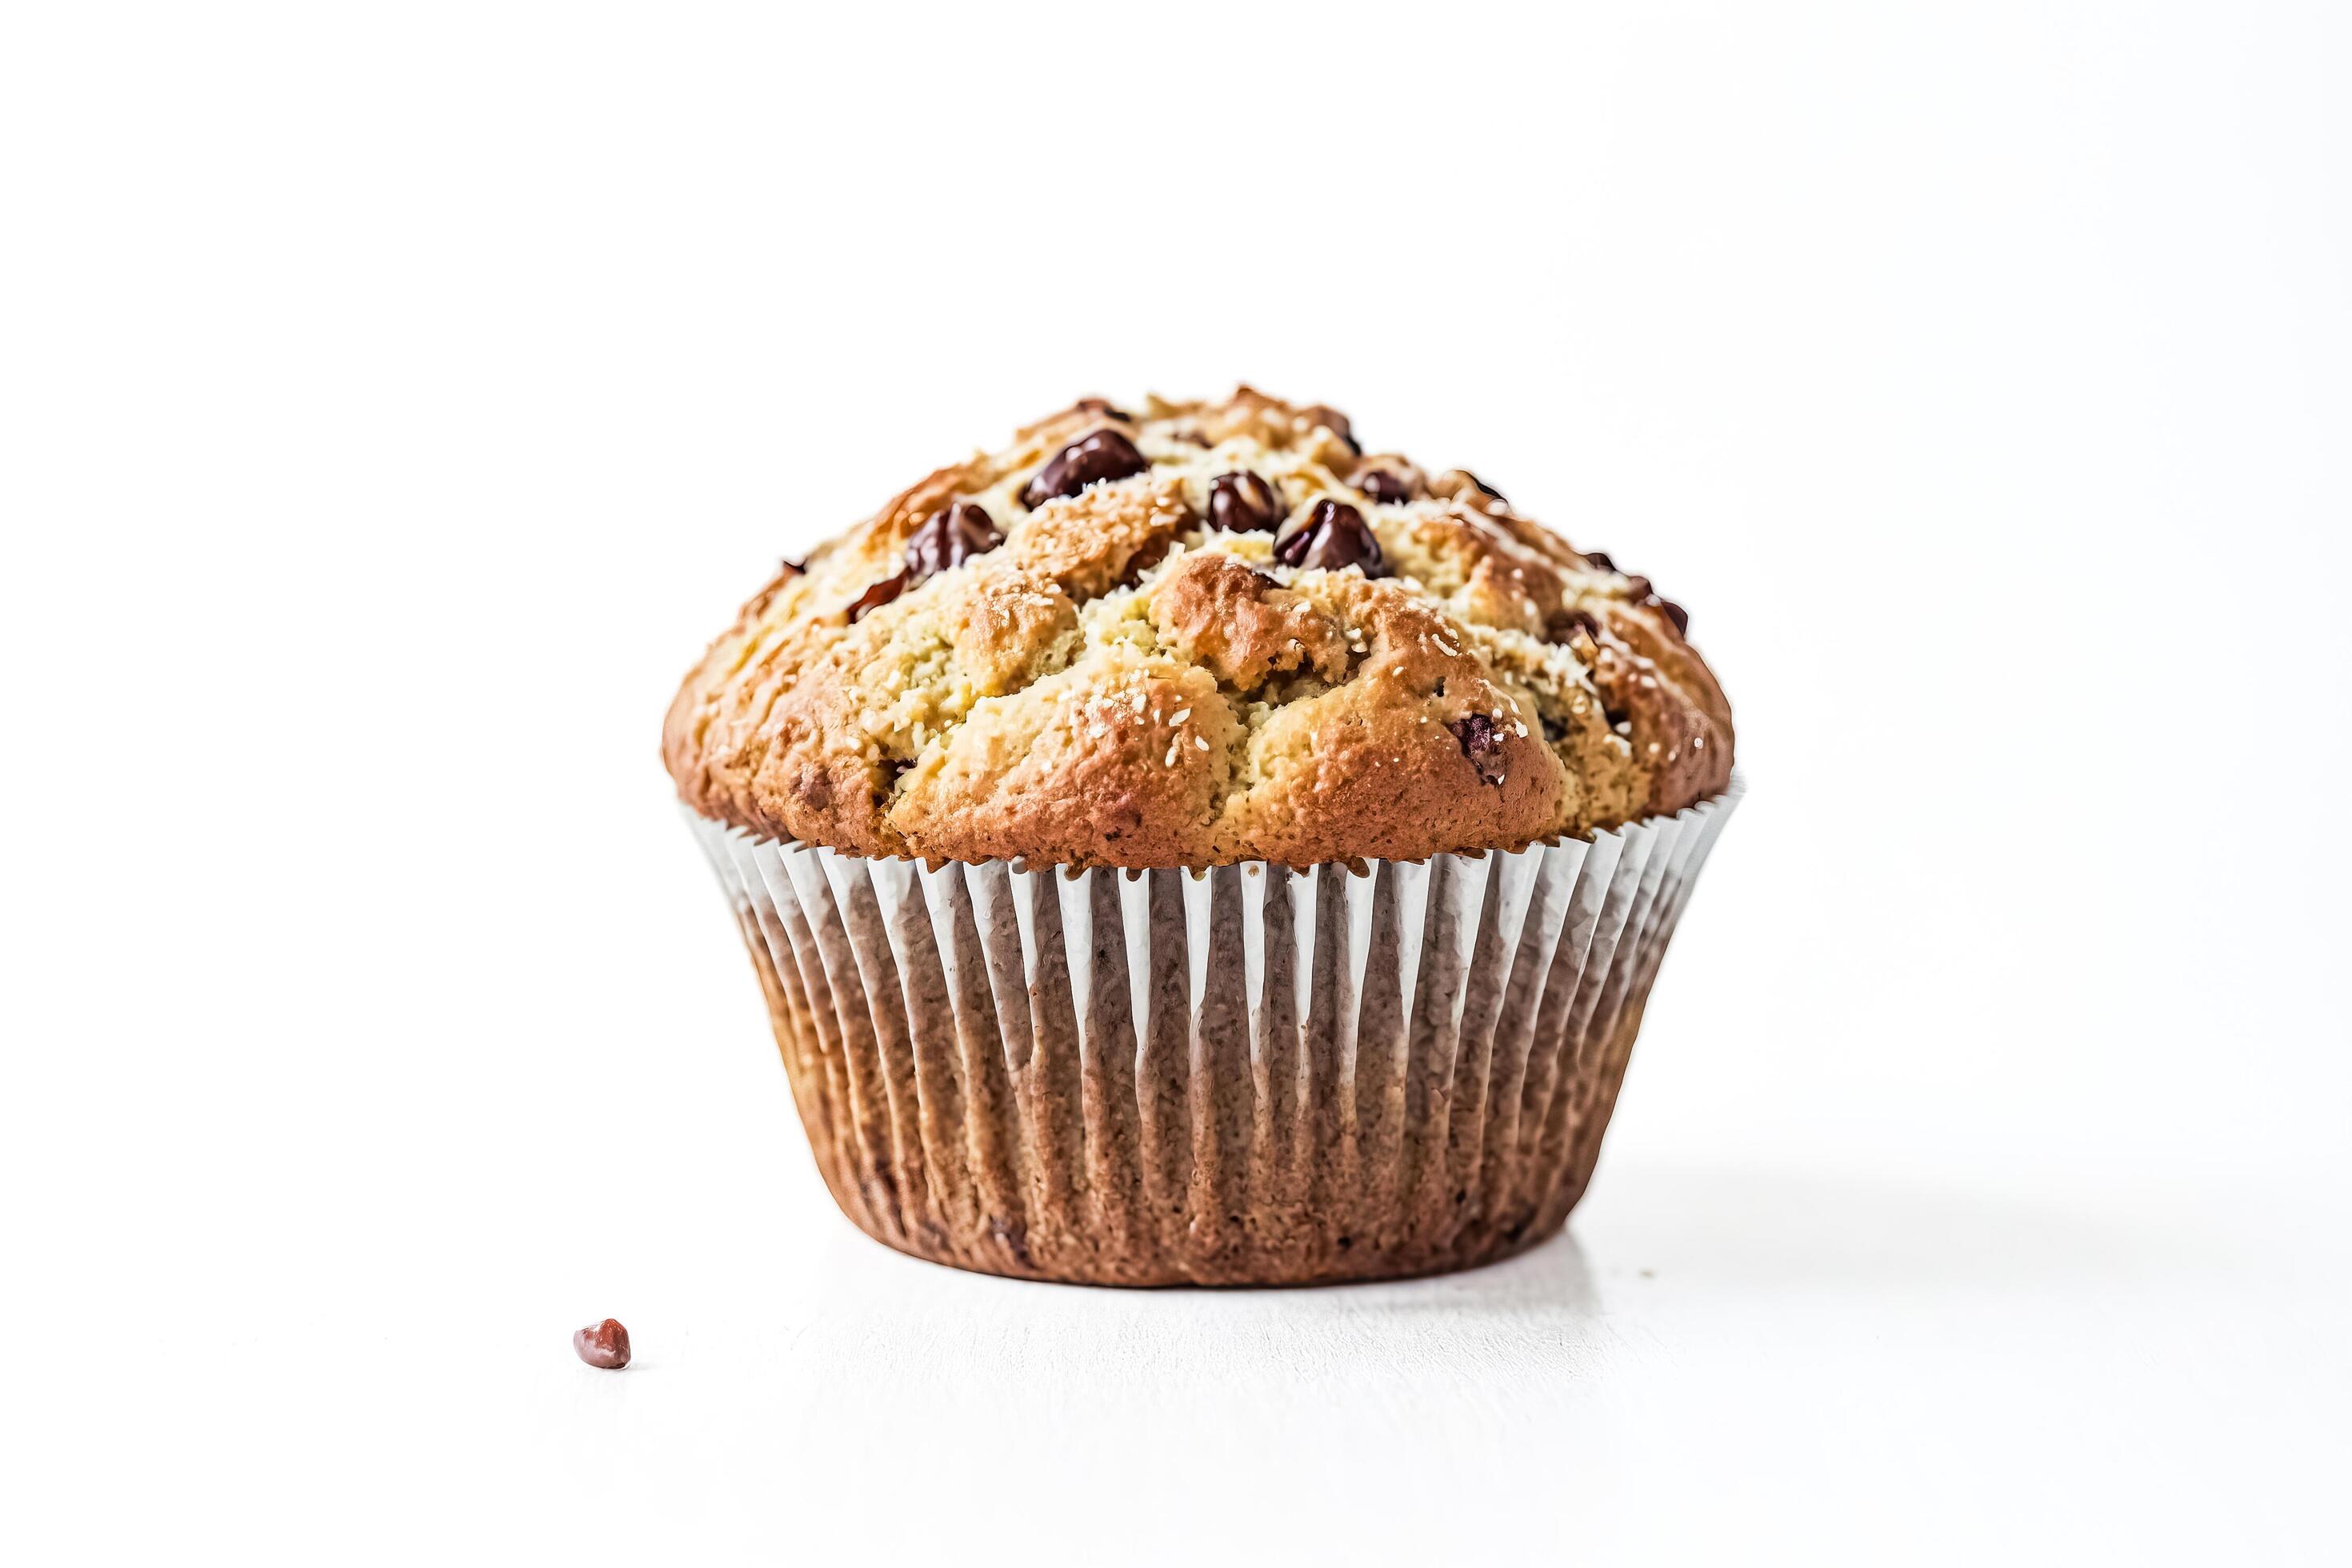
(1248, 1075)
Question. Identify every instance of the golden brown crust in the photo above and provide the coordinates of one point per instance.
(1118, 682)
(1240, 625)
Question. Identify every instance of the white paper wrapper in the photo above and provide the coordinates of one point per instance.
(1246, 1076)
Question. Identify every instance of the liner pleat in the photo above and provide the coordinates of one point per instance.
(1250, 1075)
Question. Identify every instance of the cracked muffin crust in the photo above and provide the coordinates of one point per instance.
(1192, 634)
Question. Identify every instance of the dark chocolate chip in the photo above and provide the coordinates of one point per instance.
(1245, 503)
(1582, 621)
(793, 567)
(877, 596)
(950, 538)
(1484, 489)
(1643, 593)
(1555, 731)
(1388, 488)
(1331, 419)
(604, 1344)
(1481, 742)
(1600, 558)
(1088, 461)
(1332, 535)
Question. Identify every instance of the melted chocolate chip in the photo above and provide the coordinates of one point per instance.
(1088, 461)
(1244, 504)
(1484, 489)
(877, 596)
(1645, 594)
(1334, 421)
(1600, 558)
(604, 1344)
(1481, 742)
(1332, 535)
(950, 538)
(1388, 488)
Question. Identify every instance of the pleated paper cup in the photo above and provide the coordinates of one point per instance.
(1249, 1075)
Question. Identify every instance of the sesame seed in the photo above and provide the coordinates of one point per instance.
(1180, 715)
(1169, 760)
(1200, 742)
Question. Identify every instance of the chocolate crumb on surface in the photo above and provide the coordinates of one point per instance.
(604, 1344)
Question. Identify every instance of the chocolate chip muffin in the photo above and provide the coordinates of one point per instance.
(1182, 847)
(1195, 634)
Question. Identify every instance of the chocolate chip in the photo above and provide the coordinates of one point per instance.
(950, 538)
(1194, 437)
(1244, 504)
(1483, 487)
(1334, 421)
(1332, 535)
(1088, 461)
(1582, 621)
(1643, 593)
(1100, 408)
(1555, 731)
(793, 568)
(605, 1344)
(1600, 558)
(1388, 488)
(877, 596)
(1481, 742)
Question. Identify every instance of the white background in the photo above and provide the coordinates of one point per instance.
(393, 399)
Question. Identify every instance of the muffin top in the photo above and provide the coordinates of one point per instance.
(1190, 634)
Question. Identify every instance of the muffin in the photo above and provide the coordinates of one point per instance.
(1185, 847)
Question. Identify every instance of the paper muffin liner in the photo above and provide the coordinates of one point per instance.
(1249, 1074)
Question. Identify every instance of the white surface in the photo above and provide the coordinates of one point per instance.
(392, 404)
